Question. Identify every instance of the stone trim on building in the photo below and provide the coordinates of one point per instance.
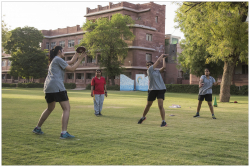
(64, 35)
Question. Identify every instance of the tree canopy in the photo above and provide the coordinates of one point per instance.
(27, 58)
(219, 27)
(106, 37)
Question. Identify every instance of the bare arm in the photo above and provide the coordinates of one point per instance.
(164, 64)
(105, 90)
(92, 87)
(158, 60)
(73, 60)
(73, 68)
(201, 83)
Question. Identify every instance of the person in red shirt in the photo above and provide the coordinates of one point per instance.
(98, 89)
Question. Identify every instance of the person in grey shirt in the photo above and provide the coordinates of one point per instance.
(205, 91)
(156, 88)
(54, 88)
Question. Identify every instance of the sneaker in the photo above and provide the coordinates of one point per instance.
(37, 131)
(197, 115)
(213, 117)
(100, 114)
(141, 120)
(163, 124)
(66, 135)
(97, 115)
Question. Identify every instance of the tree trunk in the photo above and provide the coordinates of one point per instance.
(226, 81)
(113, 81)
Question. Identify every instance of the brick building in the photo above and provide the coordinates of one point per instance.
(149, 43)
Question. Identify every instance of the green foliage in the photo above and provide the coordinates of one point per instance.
(181, 88)
(109, 87)
(30, 85)
(107, 38)
(27, 58)
(88, 87)
(8, 85)
(70, 85)
(5, 33)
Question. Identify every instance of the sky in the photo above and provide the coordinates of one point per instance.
(48, 15)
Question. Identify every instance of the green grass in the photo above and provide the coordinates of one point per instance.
(116, 138)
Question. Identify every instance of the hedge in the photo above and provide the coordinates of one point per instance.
(181, 88)
(41, 85)
(109, 87)
(8, 85)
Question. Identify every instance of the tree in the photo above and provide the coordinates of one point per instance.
(27, 58)
(5, 34)
(193, 59)
(221, 28)
(106, 37)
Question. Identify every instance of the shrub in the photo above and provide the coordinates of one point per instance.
(8, 85)
(181, 88)
(243, 90)
(70, 85)
(113, 87)
(88, 87)
(30, 85)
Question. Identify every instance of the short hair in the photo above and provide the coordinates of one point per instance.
(207, 69)
(150, 62)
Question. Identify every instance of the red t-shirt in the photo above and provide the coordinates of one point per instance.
(98, 84)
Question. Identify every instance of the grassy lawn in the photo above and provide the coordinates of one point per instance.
(116, 138)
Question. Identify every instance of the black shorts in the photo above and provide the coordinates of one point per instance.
(208, 97)
(152, 94)
(57, 97)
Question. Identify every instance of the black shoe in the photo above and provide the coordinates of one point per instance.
(100, 114)
(163, 124)
(213, 117)
(197, 115)
(141, 120)
(97, 115)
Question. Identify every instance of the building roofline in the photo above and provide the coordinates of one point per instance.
(115, 9)
(142, 26)
(63, 35)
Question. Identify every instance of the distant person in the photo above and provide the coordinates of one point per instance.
(98, 90)
(156, 88)
(205, 91)
(54, 88)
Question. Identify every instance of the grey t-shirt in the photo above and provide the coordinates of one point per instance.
(155, 80)
(55, 77)
(207, 87)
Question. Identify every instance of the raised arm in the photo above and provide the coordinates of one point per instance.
(73, 60)
(158, 60)
(73, 68)
(164, 63)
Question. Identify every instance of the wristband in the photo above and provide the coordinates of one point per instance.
(106, 92)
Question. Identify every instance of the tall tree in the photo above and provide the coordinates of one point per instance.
(107, 38)
(222, 29)
(5, 33)
(193, 59)
(27, 58)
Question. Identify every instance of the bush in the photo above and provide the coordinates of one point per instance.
(8, 85)
(243, 90)
(88, 87)
(109, 87)
(30, 85)
(70, 85)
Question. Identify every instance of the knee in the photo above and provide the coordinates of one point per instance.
(160, 107)
(210, 104)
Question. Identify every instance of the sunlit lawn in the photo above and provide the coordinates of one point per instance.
(116, 138)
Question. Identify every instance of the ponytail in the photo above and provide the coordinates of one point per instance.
(54, 52)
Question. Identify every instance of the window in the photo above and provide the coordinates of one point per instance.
(80, 76)
(71, 43)
(9, 62)
(90, 75)
(8, 76)
(93, 60)
(244, 69)
(174, 40)
(89, 59)
(62, 43)
(47, 45)
(148, 57)
(79, 41)
(149, 37)
(83, 61)
(98, 58)
(156, 19)
(70, 76)
(3, 76)
(3, 63)
(69, 58)
(53, 44)
(138, 18)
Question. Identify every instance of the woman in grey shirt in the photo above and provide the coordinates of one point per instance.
(54, 88)
(156, 88)
(205, 91)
